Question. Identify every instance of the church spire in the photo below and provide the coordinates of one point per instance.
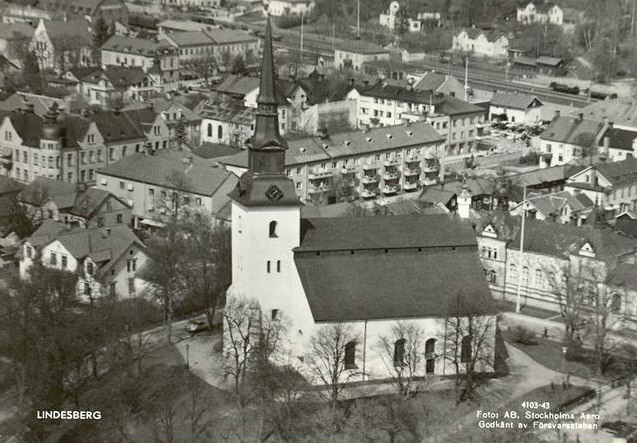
(267, 151)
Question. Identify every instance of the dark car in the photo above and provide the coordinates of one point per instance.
(618, 427)
(197, 326)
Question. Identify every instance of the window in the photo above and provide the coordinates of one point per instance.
(25, 157)
(350, 355)
(87, 289)
(399, 352)
(209, 129)
(131, 265)
(90, 268)
(430, 348)
(275, 314)
(219, 132)
(99, 155)
(131, 286)
(273, 225)
(198, 201)
(29, 251)
(120, 218)
(100, 222)
(124, 149)
(539, 278)
(54, 259)
(91, 138)
(616, 303)
(278, 266)
(492, 277)
(268, 266)
(83, 157)
(465, 351)
(35, 159)
(513, 272)
(111, 153)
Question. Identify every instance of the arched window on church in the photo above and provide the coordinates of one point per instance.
(465, 351)
(268, 266)
(220, 132)
(273, 225)
(278, 266)
(209, 129)
(399, 352)
(350, 355)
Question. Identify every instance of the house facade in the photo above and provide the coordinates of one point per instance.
(284, 8)
(547, 12)
(515, 108)
(481, 43)
(353, 56)
(106, 260)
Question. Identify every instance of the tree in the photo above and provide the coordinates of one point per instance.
(402, 353)
(68, 52)
(469, 344)
(205, 67)
(101, 33)
(605, 60)
(238, 65)
(401, 26)
(181, 135)
(226, 60)
(31, 73)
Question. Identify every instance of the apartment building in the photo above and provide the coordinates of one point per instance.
(150, 183)
(354, 55)
(378, 162)
(481, 43)
(385, 105)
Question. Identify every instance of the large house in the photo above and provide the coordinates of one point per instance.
(354, 55)
(75, 205)
(62, 44)
(71, 148)
(569, 138)
(523, 109)
(150, 184)
(365, 274)
(481, 43)
(383, 104)
(541, 13)
(159, 58)
(619, 144)
(390, 19)
(440, 83)
(283, 8)
(106, 260)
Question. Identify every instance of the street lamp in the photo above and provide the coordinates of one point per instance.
(564, 350)
(187, 356)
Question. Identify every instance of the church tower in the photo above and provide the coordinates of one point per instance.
(266, 212)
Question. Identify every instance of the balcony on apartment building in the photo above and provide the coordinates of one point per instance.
(368, 178)
(390, 189)
(390, 174)
(390, 163)
(318, 189)
(319, 174)
(368, 193)
(430, 166)
(411, 172)
(429, 179)
(345, 170)
(370, 167)
(410, 186)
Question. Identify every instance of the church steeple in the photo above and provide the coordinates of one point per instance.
(267, 151)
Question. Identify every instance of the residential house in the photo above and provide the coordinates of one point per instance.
(113, 84)
(390, 19)
(110, 11)
(158, 58)
(485, 194)
(561, 207)
(382, 104)
(569, 138)
(440, 83)
(618, 144)
(382, 161)
(47, 199)
(148, 183)
(298, 268)
(480, 43)
(62, 44)
(71, 148)
(552, 66)
(518, 108)
(283, 8)
(543, 13)
(354, 55)
(621, 111)
(39, 104)
(106, 260)
(611, 185)
(9, 190)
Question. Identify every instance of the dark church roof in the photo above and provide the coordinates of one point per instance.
(384, 267)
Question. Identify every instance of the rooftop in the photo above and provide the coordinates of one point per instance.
(514, 100)
(620, 138)
(573, 130)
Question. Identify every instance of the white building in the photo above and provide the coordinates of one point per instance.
(106, 259)
(481, 43)
(281, 8)
(368, 275)
(389, 19)
(354, 55)
(543, 13)
(523, 109)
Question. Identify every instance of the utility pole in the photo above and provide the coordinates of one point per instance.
(466, 79)
(358, 18)
(517, 303)
(301, 56)
(333, 35)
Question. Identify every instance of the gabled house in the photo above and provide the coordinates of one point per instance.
(440, 83)
(611, 185)
(518, 108)
(560, 207)
(569, 138)
(619, 144)
(107, 260)
(113, 84)
(481, 43)
(355, 55)
(62, 44)
(545, 12)
(47, 199)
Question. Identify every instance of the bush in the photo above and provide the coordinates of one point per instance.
(524, 336)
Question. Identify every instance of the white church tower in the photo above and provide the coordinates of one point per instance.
(266, 214)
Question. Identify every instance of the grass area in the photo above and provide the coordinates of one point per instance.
(507, 306)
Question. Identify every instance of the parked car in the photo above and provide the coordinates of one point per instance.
(197, 326)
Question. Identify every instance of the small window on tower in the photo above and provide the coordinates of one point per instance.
(268, 266)
(273, 225)
(278, 266)
(275, 314)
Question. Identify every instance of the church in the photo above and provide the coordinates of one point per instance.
(368, 273)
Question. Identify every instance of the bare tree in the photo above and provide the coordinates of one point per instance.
(469, 344)
(402, 352)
